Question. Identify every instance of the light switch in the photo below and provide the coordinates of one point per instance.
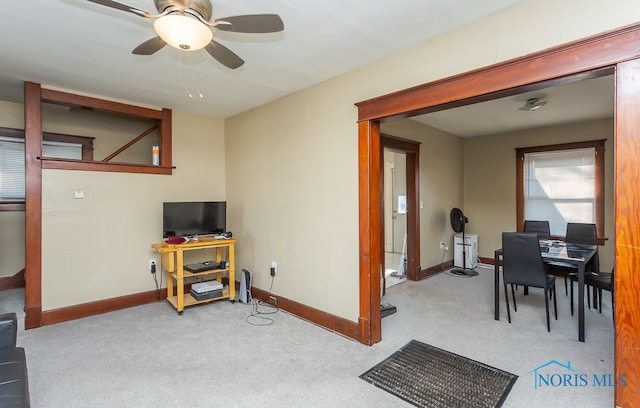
(78, 194)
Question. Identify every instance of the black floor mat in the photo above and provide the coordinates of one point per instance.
(429, 377)
(387, 309)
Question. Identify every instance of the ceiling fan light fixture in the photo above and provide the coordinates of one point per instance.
(183, 32)
(532, 104)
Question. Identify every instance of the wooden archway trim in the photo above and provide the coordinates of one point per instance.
(617, 49)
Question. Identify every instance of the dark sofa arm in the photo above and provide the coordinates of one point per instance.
(8, 330)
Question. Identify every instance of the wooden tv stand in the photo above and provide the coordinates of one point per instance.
(173, 265)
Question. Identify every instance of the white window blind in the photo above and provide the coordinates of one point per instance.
(12, 173)
(11, 169)
(559, 186)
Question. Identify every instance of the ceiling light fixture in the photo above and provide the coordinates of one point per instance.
(532, 105)
(183, 31)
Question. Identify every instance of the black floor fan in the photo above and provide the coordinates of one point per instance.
(458, 221)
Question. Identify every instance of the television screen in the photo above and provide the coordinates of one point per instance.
(193, 218)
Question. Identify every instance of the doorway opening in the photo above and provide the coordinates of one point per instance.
(395, 218)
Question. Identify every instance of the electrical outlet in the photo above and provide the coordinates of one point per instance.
(442, 245)
(274, 268)
(273, 300)
(152, 265)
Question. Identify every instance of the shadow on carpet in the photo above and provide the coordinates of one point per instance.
(428, 377)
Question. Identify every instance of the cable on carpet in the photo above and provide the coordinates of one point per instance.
(257, 315)
(155, 279)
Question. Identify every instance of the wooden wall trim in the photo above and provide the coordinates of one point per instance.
(487, 261)
(401, 145)
(80, 101)
(435, 269)
(587, 54)
(370, 230)
(68, 164)
(413, 216)
(328, 321)
(12, 282)
(165, 136)
(627, 233)
(102, 306)
(33, 205)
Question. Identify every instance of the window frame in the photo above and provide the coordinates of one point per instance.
(598, 145)
(87, 154)
(33, 111)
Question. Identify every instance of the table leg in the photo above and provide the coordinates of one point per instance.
(581, 301)
(180, 281)
(232, 273)
(496, 285)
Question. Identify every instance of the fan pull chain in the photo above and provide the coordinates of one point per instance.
(193, 80)
(182, 81)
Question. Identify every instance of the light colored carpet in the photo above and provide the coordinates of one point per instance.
(149, 356)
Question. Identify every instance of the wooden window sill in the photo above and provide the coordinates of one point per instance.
(66, 164)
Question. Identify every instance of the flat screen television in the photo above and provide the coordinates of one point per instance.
(193, 218)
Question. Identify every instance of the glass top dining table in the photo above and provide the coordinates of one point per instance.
(554, 251)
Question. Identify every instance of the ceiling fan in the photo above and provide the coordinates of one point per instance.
(185, 25)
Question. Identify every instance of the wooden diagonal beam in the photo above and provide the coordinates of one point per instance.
(130, 143)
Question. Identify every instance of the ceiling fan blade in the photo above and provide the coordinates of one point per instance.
(224, 55)
(149, 47)
(121, 6)
(251, 23)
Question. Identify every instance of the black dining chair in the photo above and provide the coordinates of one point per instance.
(597, 283)
(585, 234)
(522, 265)
(539, 227)
(582, 234)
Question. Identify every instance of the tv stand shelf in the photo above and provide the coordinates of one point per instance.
(173, 266)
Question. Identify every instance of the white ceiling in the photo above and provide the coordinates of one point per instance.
(580, 101)
(86, 48)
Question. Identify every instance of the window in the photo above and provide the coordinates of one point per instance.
(11, 170)
(12, 166)
(561, 184)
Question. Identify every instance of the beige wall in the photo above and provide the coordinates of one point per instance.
(292, 164)
(11, 243)
(490, 180)
(98, 247)
(291, 189)
(441, 184)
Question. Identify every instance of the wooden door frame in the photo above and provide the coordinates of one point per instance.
(411, 150)
(617, 49)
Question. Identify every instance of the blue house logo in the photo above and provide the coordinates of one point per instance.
(556, 374)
